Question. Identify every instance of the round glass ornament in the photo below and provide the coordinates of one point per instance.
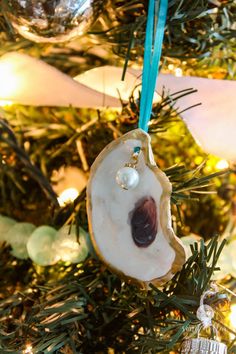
(40, 246)
(52, 21)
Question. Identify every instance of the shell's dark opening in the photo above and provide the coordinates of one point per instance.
(143, 220)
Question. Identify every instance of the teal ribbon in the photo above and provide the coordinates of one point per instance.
(152, 55)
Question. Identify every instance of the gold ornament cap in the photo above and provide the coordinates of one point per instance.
(203, 346)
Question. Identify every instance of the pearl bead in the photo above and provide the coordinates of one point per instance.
(127, 178)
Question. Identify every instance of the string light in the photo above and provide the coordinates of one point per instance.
(5, 103)
(68, 182)
(28, 350)
(171, 67)
(178, 72)
(67, 196)
(222, 164)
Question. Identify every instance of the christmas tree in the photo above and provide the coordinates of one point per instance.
(70, 84)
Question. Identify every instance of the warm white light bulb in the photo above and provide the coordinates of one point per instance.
(178, 72)
(28, 350)
(5, 103)
(222, 164)
(67, 196)
(171, 67)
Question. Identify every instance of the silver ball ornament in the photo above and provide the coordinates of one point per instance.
(127, 177)
(52, 21)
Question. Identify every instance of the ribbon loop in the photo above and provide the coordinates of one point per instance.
(152, 55)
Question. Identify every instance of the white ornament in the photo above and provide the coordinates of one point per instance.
(212, 122)
(5, 225)
(132, 233)
(24, 79)
(106, 80)
(18, 236)
(68, 248)
(40, 246)
(127, 177)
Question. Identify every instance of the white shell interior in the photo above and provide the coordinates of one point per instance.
(110, 217)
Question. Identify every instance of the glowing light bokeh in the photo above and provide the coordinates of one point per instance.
(67, 196)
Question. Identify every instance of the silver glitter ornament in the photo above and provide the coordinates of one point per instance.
(127, 177)
(203, 346)
(200, 345)
(52, 21)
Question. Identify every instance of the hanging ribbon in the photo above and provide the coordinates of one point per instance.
(152, 55)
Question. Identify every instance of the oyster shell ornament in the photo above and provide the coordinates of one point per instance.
(129, 213)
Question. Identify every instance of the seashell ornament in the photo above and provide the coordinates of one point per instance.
(128, 206)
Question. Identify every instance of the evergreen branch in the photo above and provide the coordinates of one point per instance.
(185, 182)
(94, 303)
(23, 157)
